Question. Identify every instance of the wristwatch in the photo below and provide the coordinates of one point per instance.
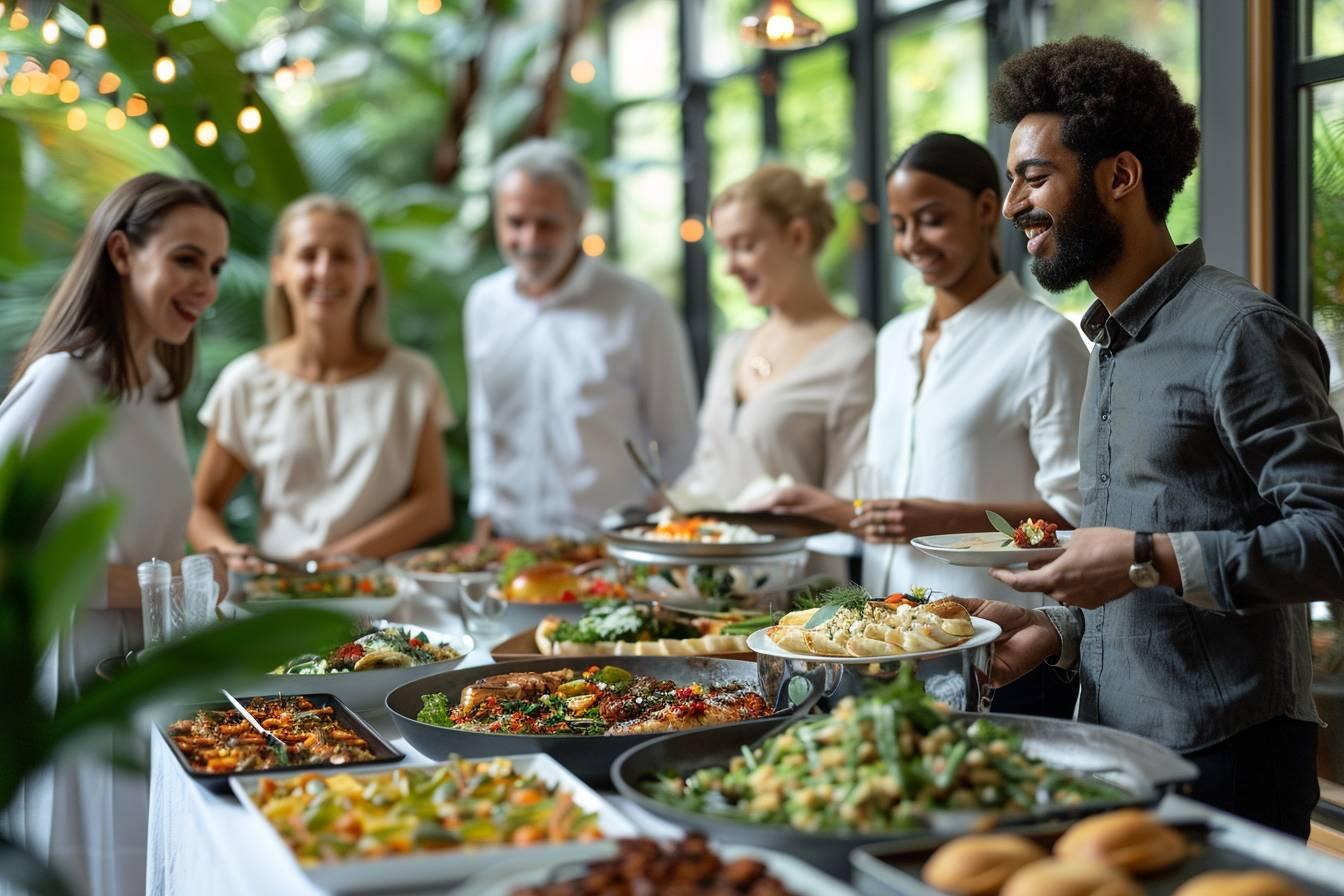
(1142, 572)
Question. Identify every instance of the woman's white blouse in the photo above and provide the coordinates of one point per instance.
(995, 419)
(329, 458)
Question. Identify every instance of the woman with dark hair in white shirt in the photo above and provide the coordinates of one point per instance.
(978, 397)
(120, 328)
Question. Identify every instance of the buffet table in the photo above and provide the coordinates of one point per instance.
(202, 843)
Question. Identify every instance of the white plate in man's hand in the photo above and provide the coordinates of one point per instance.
(985, 549)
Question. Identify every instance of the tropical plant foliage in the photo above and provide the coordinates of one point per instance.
(48, 562)
(402, 116)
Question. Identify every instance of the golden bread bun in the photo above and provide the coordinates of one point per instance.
(1051, 877)
(979, 864)
(1240, 883)
(544, 583)
(1130, 839)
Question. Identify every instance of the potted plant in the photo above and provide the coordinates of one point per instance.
(46, 568)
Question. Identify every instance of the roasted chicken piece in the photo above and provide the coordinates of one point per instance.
(513, 686)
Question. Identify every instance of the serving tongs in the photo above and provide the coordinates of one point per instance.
(280, 747)
(650, 471)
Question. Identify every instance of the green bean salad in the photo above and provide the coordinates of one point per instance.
(875, 764)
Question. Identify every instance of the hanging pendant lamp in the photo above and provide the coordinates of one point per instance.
(779, 25)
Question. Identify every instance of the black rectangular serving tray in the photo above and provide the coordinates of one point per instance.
(894, 869)
(219, 783)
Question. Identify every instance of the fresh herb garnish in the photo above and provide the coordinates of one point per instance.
(845, 597)
(1002, 526)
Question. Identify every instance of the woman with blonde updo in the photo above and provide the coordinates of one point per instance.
(792, 396)
(340, 428)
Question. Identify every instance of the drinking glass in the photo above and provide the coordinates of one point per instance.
(177, 609)
(481, 609)
(154, 612)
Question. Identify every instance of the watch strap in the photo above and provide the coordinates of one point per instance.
(1143, 547)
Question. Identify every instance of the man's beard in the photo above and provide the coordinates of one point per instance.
(1088, 242)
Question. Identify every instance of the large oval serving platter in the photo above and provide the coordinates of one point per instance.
(588, 756)
(366, 691)
(986, 632)
(1142, 768)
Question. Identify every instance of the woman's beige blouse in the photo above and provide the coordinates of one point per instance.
(328, 458)
(810, 421)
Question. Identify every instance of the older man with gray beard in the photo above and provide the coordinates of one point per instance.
(566, 357)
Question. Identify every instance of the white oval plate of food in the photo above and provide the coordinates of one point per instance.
(796, 875)
(385, 662)
(791, 642)
(372, 594)
(985, 549)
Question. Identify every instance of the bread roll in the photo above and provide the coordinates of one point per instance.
(1130, 839)
(1052, 877)
(1240, 883)
(978, 865)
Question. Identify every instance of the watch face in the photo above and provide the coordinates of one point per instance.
(1144, 575)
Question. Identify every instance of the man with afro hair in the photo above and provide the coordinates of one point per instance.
(1211, 463)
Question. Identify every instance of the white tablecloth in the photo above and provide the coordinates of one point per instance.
(202, 843)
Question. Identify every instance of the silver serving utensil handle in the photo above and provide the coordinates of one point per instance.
(648, 474)
(280, 747)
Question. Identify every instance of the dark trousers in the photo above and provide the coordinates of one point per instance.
(1266, 774)
(1041, 692)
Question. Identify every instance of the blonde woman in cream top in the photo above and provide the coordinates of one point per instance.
(790, 398)
(341, 430)
(809, 423)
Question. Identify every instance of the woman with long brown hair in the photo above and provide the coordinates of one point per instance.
(340, 428)
(120, 328)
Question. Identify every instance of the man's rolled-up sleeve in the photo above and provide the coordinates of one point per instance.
(1269, 389)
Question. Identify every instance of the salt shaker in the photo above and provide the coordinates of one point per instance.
(155, 577)
(198, 574)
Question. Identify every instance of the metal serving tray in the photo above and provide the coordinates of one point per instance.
(383, 752)
(1139, 766)
(590, 757)
(1221, 844)
(790, 537)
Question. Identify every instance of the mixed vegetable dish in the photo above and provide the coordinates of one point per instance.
(462, 804)
(329, 585)
(375, 648)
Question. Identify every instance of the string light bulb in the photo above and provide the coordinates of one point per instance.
(115, 119)
(76, 119)
(429, 7)
(59, 69)
(779, 25)
(165, 69)
(583, 72)
(96, 36)
(18, 21)
(51, 32)
(68, 91)
(207, 132)
(180, 8)
(137, 105)
(284, 76)
(108, 83)
(249, 117)
(158, 135)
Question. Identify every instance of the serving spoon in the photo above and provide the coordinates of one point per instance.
(649, 474)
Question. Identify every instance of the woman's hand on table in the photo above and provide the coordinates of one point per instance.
(1028, 638)
(807, 500)
(897, 520)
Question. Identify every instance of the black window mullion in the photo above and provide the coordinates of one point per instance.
(697, 308)
(867, 162)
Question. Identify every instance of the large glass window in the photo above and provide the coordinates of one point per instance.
(816, 101)
(1326, 34)
(643, 59)
(736, 148)
(936, 81)
(647, 205)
